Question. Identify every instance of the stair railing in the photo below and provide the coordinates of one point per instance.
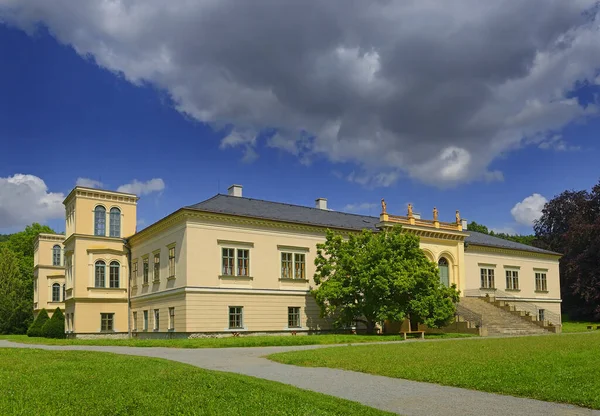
(518, 303)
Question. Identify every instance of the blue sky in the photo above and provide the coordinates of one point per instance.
(63, 117)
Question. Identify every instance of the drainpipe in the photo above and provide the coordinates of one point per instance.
(128, 250)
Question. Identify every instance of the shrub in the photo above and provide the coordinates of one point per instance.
(35, 330)
(55, 327)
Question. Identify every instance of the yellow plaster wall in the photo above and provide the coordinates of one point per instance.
(86, 315)
(161, 241)
(453, 251)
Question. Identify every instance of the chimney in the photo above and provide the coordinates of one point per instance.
(234, 190)
(464, 224)
(321, 203)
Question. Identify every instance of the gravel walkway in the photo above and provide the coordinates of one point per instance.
(395, 395)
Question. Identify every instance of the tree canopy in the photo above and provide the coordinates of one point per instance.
(372, 277)
(570, 224)
(16, 278)
(530, 240)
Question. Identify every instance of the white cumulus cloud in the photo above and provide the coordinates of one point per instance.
(529, 209)
(25, 199)
(386, 89)
(89, 183)
(142, 188)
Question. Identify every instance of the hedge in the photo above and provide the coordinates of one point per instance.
(35, 330)
(55, 327)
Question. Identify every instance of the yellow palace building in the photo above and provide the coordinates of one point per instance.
(237, 265)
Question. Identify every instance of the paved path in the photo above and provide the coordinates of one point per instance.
(395, 395)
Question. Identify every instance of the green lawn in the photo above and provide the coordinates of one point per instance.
(36, 382)
(247, 341)
(579, 326)
(559, 368)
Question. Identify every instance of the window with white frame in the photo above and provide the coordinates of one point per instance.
(235, 262)
(243, 262)
(107, 321)
(56, 255)
(171, 318)
(100, 274)
(115, 222)
(541, 284)
(145, 326)
(541, 315)
(487, 278)
(236, 317)
(299, 266)
(56, 292)
(100, 221)
(512, 279)
(156, 319)
(172, 261)
(113, 275)
(156, 275)
(135, 321)
(145, 267)
(134, 272)
(287, 265)
(294, 317)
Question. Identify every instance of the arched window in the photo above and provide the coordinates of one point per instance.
(113, 278)
(100, 274)
(100, 220)
(115, 222)
(56, 255)
(56, 292)
(444, 271)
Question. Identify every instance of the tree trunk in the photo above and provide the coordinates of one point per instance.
(370, 327)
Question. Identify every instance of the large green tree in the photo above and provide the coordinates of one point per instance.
(16, 252)
(570, 224)
(372, 277)
(16, 300)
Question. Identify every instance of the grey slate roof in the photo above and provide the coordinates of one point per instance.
(256, 208)
(491, 241)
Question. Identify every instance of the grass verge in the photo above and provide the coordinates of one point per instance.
(36, 382)
(579, 326)
(243, 341)
(558, 368)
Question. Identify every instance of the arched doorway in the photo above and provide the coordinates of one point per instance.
(444, 271)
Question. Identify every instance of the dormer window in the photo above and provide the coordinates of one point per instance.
(115, 222)
(100, 221)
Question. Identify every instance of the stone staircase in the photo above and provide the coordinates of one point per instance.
(497, 320)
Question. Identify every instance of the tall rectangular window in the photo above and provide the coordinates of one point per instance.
(236, 318)
(243, 262)
(512, 279)
(156, 276)
(541, 315)
(541, 284)
(171, 318)
(106, 321)
(172, 261)
(228, 261)
(145, 267)
(287, 265)
(145, 327)
(299, 266)
(134, 269)
(487, 279)
(135, 321)
(156, 319)
(100, 221)
(294, 317)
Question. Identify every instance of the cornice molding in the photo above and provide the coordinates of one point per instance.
(511, 252)
(185, 214)
(106, 251)
(94, 237)
(101, 195)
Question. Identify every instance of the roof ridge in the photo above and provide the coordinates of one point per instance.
(286, 204)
